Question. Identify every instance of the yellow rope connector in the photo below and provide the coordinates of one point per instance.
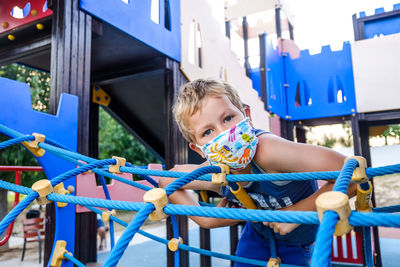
(363, 200)
(359, 174)
(339, 203)
(173, 244)
(220, 178)
(243, 197)
(107, 213)
(59, 189)
(33, 146)
(274, 262)
(44, 188)
(58, 253)
(157, 196)
(115, 168)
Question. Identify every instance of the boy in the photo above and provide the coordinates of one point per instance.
(213, 119)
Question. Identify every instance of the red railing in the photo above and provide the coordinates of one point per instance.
(18, 170)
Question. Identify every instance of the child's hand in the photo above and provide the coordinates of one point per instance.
(282, 228)
(222, 203)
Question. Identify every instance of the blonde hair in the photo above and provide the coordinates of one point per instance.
(190, 97)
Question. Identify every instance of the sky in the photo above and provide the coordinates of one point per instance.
(316, 23)
(323, 22)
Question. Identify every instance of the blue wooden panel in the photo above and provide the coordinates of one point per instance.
(320, 85)
(17, 113)
(382, 25)
(134, 19)
(276, 92)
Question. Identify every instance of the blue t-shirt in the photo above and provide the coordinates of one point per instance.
(274, 195)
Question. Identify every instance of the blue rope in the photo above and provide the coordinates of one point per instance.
(15, 188)
(188, 248)
(175, 185)
(343, 181)
(10, 217)
(82, 169)
(367, 247)
(107, 195)
(146, 177)
(395, 208)
(10, 132)
(74, 260)
(17, 140)
(102, 172)
(175, 232)
(323, 242)
(128, 234)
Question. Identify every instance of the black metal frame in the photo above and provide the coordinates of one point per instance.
(359, 23)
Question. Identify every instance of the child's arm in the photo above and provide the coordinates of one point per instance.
(275, 154)
(184, 197)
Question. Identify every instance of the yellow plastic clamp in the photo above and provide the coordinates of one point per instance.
(220, 178)
(274, 262)
(107, 213)
(59, 189)
(338, 202)
(58, 253)
(44, 188)
(359, 174)
(173, 244)
(115, 168)
(363, 200)
(159, 198)
(33, 146)
(243, 197)
(100, 97)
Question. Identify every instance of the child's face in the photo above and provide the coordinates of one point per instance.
(216, 115)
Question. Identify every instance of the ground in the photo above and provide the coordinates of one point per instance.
(387, 190)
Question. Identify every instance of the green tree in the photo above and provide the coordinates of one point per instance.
(40, 93)
(115, 140)
(39, 82)
(347, 139)
(393, 131)
(16, 154)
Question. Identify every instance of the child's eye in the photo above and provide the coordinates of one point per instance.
(228, 118)
(207, 132)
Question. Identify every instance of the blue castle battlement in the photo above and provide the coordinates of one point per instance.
(134, 18)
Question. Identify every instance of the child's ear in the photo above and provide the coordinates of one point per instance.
(247, 113)
(197, 150)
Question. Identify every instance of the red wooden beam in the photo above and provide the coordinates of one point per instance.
(37, 10)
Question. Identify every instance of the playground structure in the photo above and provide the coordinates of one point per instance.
(156, 204)
(101, 43)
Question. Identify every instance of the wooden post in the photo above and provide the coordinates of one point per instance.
(70, 73)
(176, 151)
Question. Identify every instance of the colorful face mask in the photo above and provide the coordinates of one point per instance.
(234, 147)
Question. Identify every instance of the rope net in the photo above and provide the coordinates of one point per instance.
(384, 216)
